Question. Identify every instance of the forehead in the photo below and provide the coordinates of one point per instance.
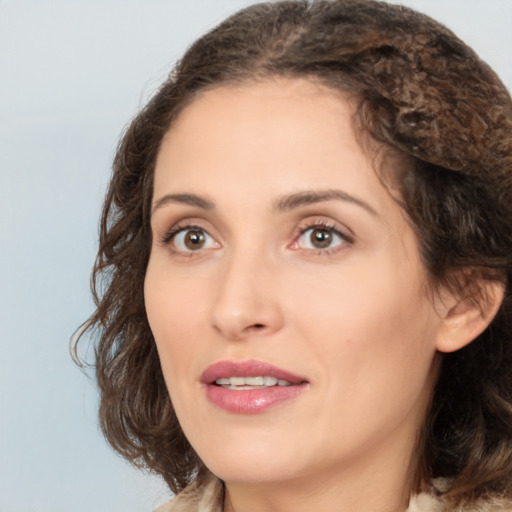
(263, 107)
(277, 136)
(230, 120)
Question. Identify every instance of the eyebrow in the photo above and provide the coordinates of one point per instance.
(285, 204)
(189, 199)
(298, 199)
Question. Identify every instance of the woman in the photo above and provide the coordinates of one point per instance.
(307, 246)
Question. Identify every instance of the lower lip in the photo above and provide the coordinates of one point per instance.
(252, 401)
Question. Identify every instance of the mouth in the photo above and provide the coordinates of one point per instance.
(249, 387)
(244, 383)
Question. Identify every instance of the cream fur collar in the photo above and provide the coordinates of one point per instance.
(209, 497)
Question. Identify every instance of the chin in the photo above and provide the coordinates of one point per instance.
(245, 458)
(233, 470)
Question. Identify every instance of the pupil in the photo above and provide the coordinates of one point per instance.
(321, 238)
(194, 240)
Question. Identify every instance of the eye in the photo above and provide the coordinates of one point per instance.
(189, 239)
(321, 238)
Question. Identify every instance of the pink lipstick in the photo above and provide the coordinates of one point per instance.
(250, 387)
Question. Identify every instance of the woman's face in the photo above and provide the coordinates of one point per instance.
(279, 256)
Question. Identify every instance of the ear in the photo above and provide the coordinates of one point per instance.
(465, 315)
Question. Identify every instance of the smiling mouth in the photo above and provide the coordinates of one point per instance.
(249, 373)
(250, 387)
(246, 383)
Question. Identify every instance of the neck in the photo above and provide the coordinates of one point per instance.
(350, 489)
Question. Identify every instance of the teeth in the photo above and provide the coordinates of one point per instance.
(270, 381)
(253, 381)
(263, 381)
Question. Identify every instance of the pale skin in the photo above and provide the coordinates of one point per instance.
(274, 240)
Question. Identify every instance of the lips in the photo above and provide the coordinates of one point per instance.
(227, 369)
(250, 387)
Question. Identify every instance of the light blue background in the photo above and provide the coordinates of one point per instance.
(72, 74)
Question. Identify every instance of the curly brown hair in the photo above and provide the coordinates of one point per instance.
(420, 90)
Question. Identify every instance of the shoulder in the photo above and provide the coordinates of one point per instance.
(203, 495)
(207, 495)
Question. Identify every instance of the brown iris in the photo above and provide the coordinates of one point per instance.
(194, 240)
(321, 238)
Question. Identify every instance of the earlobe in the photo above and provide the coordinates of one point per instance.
(465, 318)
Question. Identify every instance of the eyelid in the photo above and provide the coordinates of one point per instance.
(170, 234)
(173, 225)
(183, 226)
(329, 225)
(303, 226)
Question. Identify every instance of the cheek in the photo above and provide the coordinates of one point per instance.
(374, 327)
(172, 314)
(375, 357)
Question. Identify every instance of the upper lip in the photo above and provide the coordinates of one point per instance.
(226, 369)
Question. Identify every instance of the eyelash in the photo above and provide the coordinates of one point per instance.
(327, 226)
(323, 225)
(171, 234)
(182, 228)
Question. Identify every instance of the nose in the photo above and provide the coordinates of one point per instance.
(246, 303)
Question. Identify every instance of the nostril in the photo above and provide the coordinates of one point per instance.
(255, 329)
